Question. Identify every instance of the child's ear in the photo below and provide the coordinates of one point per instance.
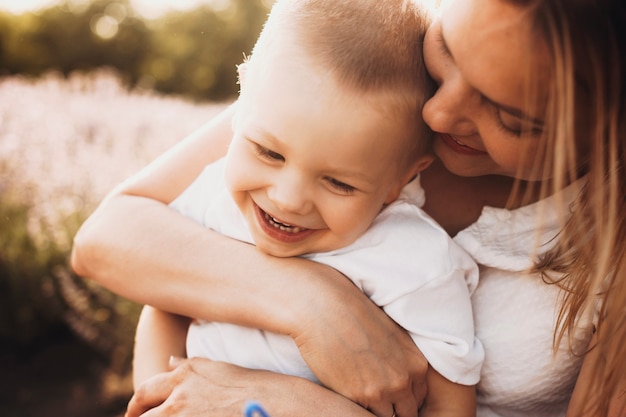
(421, 164)
(241, 71)
(418, 166)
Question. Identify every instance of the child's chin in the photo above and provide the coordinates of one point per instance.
(280, 252)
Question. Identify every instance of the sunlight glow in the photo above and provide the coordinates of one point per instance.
(146, 8)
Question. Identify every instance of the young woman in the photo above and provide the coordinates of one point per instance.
(530, 181)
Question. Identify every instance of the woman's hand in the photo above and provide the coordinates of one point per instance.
(356, 350)
(192, 388)
(200, 387)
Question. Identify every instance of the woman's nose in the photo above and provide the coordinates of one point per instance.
(451, 109)
(291, 194)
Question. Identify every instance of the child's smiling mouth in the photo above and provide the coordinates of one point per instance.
(281, 231)
(282, 226)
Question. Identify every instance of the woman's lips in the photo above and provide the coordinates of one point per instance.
(281, 231)
(459, 147)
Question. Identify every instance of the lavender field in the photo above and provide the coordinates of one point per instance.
(64, 143)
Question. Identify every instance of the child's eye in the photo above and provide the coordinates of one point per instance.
(340, 186)
(268, 153)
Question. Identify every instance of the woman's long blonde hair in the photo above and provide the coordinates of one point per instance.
(586, 135)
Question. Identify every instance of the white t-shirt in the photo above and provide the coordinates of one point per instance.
(405, 262)
(515, 313)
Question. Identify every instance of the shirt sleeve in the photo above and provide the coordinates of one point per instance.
(196, 199)
(408, 265)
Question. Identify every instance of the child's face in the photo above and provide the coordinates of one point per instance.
(311, 164)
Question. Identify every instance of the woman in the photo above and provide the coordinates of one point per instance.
(530, 180)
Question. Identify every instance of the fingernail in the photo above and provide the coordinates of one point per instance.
(175, 361)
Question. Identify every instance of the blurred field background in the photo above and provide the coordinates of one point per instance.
(90, 92)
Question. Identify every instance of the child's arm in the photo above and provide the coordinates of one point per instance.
(159, 335)
(446, 398)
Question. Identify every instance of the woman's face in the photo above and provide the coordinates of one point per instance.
(481, 52)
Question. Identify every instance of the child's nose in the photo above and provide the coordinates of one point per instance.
(291, 194)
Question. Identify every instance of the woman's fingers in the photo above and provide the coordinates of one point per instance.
(200, 387)
(420, 390)
(180, 392)
(366, 357)
(400, 403)
(150, 394)
(405, 407)
(387, 410)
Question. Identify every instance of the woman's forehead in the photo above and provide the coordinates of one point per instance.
(495, 48)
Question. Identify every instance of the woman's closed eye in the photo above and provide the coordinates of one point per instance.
(516, 126)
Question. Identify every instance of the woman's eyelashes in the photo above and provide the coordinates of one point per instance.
(516, 126)
(506, 126)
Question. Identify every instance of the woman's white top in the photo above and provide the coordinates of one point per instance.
(515, 313)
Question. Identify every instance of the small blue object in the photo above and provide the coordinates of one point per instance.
(253, 408)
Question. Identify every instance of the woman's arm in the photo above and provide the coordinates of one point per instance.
(159, 336)
(135, 245)
(138, 247)
(200, 387)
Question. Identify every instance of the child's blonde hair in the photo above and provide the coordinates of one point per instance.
(368, 45)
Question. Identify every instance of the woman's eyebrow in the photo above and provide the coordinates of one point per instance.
(515, 112)
(508, 109)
